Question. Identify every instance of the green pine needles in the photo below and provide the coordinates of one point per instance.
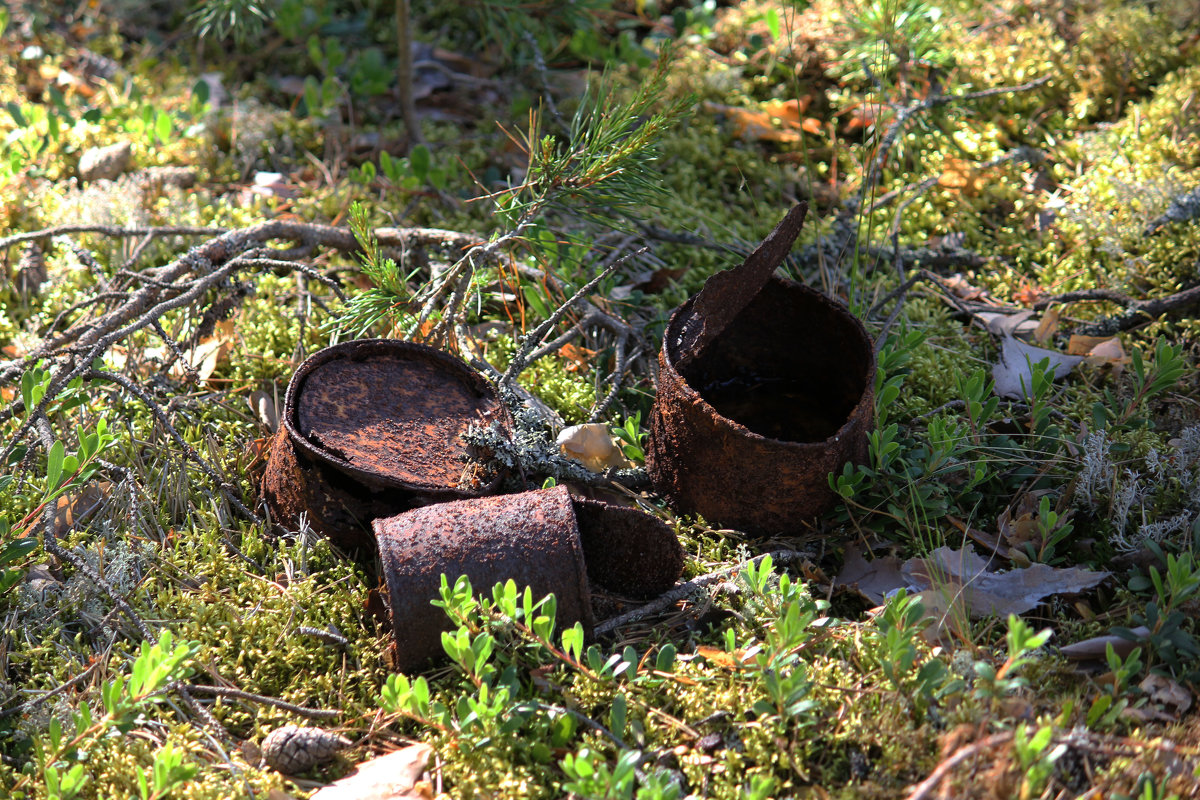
(603, 171)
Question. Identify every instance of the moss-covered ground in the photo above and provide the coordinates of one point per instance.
(1079, 172)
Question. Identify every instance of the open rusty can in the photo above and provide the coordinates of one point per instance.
(544, 539)
(371, 428)
(746, 431)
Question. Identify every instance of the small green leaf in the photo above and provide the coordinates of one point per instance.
(18, 116)
(420, 160)
(773, 23)
(619, 711)
(162, 127)
(201, 92)
(54, 465)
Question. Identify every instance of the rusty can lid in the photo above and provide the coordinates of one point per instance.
(391, 413)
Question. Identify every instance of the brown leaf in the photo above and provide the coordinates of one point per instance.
(580, 357)
(209, 353)
(1001, 324)
(718, 657)
(962, 175)
(874, 579)
(1048, 326)
(1170, 695)
(988, 593)
(990, 541)
(1095, 648)
(1013, 373)
(1017, 523)
(1099, 351)
(1028, 293)
(1080, 345)
(773, 121)
(71, 510)
(395, 776)
(963, 288)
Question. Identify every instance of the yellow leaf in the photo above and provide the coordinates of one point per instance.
(1048, 325)
(960, 174)
(718, 657)
(209, 353)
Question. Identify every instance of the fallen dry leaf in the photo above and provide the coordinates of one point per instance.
(875, 579)
(578, 356)
(965, 577)
(988, 593)
(1098, 350)
(1048, 325)
(1167, 693)
(962, 175)
(1002, 324)
(1018, 523)
(774, 121)
(71, 510)
(960, 286)
(1080, 345)
(395, 776)
(210, 351)
(718, 657)
(1095, 648)
(1028, 294)
(208, 354)
(1013, 373)
(591, 445)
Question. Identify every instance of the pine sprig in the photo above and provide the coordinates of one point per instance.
(388, 298)
(604, 170)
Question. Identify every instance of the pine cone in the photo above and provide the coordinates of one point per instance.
(293, 749)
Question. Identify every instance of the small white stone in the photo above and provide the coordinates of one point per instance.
(106, 163)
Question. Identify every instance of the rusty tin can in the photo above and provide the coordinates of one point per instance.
(371, 428)
(746, 432)
(544, 539)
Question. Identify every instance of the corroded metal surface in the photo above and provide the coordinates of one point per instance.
(389, 412)
(747, 432)
(334, 505)
(627, 551)
(727, 292)
(371, 428)
(531, 537)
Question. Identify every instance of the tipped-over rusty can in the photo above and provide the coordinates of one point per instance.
(746, 431)
(371, 428)
(544, 539)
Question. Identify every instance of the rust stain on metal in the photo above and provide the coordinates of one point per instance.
(531, 538)
(544, 539)
(627, 551)
(394, 413)
(726, 293)
(746, 433)
(372, 428)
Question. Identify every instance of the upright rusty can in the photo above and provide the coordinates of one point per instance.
(746, 431)
(371, 428)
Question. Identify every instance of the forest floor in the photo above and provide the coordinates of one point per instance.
(1002, 602)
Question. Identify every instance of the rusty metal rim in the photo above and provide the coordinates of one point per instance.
(455, 367)
(693, 395)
